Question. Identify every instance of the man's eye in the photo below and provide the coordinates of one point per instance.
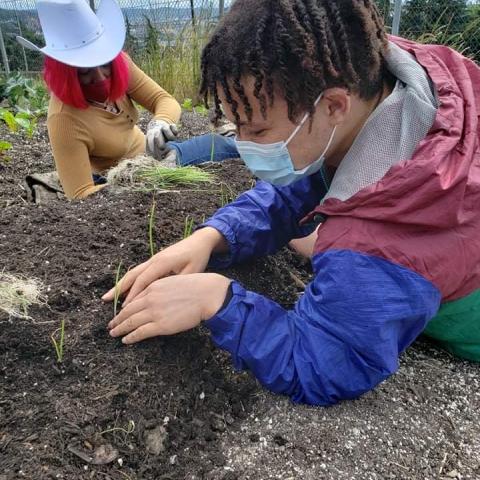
(259, 133)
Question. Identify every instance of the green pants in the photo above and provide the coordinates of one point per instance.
(457, 327)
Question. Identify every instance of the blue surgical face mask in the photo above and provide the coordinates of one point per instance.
(272, 162)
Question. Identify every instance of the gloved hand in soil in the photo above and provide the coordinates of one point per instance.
(159, 132)
(185, 257)
(171, 305)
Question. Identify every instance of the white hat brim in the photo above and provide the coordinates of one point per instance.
(99, 52)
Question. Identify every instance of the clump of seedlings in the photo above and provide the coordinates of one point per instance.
(58, 344)
(18, 294)
(124, 174)
(148, 175)
(164, 178)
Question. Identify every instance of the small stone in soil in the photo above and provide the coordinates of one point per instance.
(217, 425)
(155, 440)
(279, 440)
(104, 455)
(210, 436)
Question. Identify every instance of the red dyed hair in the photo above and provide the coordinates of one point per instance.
(62, 80)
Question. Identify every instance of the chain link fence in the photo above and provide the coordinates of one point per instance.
(452, 22)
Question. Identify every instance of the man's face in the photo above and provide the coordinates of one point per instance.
(305, 148)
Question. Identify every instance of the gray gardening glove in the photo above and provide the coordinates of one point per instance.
(159, 132)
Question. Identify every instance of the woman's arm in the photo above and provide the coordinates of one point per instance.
(70, 151)
(151, 96)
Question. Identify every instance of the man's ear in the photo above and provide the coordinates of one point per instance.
(336, 104)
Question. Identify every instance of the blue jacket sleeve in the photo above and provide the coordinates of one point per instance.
(263, 220)
(344, 335)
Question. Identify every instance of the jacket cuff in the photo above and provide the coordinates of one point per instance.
(221, 324)
(224, 260)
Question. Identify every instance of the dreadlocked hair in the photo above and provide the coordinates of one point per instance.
(300, 47)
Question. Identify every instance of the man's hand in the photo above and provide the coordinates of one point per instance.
(159, 132)
(169, 306)
(187, 256)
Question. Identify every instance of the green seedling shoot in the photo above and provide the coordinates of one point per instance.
(116, 296)
(227, 195)
(127, 431)
(151, 222)
(58, 344)
(212, 150)
(188, 229)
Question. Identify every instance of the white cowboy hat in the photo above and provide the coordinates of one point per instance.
(75, 35)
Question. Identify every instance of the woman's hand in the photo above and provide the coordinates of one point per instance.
(159, 132)
(187, 256)
(171, 305)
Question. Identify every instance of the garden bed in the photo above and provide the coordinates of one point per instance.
(173, 408)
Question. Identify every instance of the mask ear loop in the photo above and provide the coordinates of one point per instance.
(302, 123)
(329, 144)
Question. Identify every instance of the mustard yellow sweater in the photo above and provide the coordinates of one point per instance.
(94, 140)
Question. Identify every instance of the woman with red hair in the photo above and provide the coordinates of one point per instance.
(92, 118)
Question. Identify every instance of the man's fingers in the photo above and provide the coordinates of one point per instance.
(147, 330)
(148, 276)
(129, 319)
(125, 283)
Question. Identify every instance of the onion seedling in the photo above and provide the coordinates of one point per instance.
(116, 296)
(188, 229)
(58, 344)
(151, 221)
(212, 149)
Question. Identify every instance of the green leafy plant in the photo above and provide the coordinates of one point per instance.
(164, 178)
(188, 104)
(9, 118)
(26, 95)
(21, 120)
(151, 223)
(27, 122)
(188, 228)
(4, 148)
(116, 295)
(201, 110)
(58, 344)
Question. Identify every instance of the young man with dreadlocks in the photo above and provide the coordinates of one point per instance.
(375, 138)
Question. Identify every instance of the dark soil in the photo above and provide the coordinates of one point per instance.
(173, 408)
(180, 390)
